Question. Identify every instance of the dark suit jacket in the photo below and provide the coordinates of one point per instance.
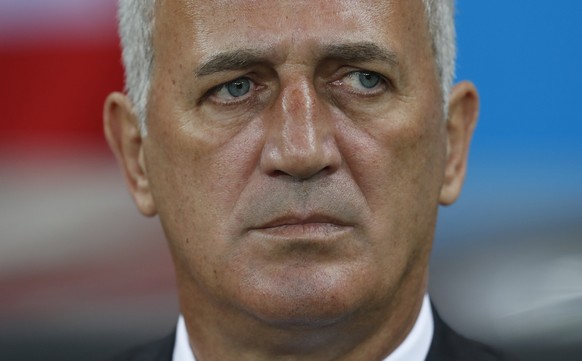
(447, 345)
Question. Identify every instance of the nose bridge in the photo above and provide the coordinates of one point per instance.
(300, 138)
(298, 126)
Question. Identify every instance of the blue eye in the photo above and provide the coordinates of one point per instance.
(364, 82)
(233, 91)
(368, 80)
(239, 87)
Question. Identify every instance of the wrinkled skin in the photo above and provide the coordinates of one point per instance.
(297, 184)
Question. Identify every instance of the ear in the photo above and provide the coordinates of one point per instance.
(463, 113)
(122, 132)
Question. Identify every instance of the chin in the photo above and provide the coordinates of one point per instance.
(306, 296)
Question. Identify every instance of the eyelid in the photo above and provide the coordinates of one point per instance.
(211, 94)
(384, 84)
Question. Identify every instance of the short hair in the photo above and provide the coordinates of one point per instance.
(136, 24)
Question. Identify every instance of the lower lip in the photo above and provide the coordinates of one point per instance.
(312, 231)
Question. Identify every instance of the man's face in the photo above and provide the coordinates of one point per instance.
(295, 152)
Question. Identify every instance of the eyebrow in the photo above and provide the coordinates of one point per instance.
(231, 60)
(350, 52)
(360, 52)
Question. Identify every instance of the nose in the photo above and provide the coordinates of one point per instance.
(300, 137)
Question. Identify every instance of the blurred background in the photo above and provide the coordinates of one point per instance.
(83, 275)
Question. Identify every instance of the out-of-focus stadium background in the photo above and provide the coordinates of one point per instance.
(82, 275)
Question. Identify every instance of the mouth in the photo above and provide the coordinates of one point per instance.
(313, 227)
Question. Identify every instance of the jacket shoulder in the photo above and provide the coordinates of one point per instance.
(159, 350)
(447, 345)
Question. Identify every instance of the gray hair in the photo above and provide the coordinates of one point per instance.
(441, 26)
(136, 23)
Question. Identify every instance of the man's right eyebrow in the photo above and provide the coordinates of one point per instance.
(230, 60)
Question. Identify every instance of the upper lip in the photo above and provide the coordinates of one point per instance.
(294, 219)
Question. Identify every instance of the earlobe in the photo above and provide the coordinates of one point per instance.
(463, 114)
(122, 132)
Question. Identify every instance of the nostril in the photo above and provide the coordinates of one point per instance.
(302, 174)
(326, 170)
(279, 173)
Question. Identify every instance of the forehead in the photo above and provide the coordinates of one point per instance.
(293, 26)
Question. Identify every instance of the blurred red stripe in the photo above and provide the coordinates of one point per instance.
(56, 90)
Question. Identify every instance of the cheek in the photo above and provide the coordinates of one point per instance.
(399, 164)
(397, 158)
(196, 176)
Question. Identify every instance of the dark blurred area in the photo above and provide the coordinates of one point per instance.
(83, 275)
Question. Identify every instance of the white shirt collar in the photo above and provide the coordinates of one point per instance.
(414, 347)
(182, 350)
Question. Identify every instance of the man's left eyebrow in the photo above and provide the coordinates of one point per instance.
(360, 52)
(231, 60)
